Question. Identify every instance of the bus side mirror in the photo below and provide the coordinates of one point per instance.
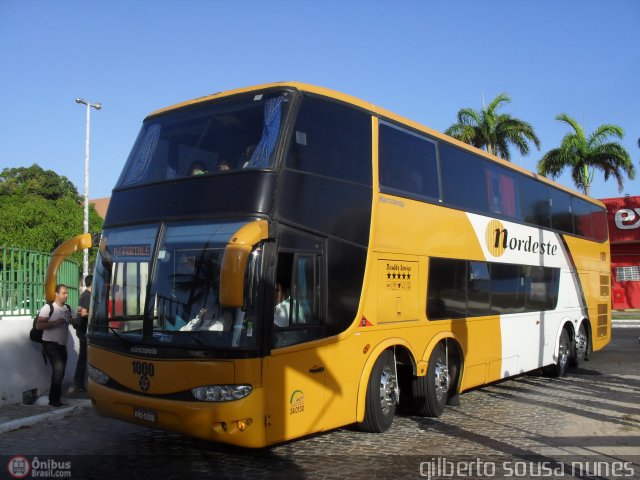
(234, 262)
(65, 249)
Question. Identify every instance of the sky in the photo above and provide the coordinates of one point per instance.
(421, 59)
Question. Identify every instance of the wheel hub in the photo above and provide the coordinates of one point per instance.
(388, 387)
(441, 379)
(563, 353)
(581, 344)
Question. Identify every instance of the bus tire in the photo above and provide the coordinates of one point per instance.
(431, 392)
(561, 366)
(380, 405)
(581, 345)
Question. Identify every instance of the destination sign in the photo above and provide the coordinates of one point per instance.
(131, 250)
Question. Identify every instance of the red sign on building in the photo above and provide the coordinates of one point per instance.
(623, 216)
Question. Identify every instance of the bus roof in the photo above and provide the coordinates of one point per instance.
(379, 111)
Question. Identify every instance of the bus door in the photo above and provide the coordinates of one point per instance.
(295, 373)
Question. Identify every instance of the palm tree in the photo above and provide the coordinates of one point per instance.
(583, 155)
(493, 132)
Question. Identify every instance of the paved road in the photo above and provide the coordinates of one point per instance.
(529, 427)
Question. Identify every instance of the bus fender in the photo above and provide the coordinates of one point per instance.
(366, 371)
(424, 362)
(432, 344)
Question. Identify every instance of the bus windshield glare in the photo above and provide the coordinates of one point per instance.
(228, 135)
(177, 302)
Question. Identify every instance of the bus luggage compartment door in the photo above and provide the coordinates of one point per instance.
(296, 394)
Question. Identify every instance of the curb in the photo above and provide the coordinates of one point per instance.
(32, 420)
(631, 323)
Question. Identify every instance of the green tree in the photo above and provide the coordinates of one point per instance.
(33, 180)
(583, 155)
(492, 131)
(40, 210)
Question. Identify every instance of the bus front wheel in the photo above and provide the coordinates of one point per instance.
(380, 407)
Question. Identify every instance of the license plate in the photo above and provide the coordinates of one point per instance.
(145, 414)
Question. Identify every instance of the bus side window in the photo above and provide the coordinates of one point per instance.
(407, 162)
(502, 194)
(447, 291)
(465, 192)
(332, 141)
(305, 287)
(296, 311)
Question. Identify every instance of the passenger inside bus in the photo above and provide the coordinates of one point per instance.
(197, 168)
(223, 165)
(409, 178)
(245, 156)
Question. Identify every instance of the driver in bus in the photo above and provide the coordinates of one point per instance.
(282, 311)
(205, 320)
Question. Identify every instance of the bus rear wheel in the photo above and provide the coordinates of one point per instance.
(581, 345)
(561, 366)
(380, 406)
(431, 392)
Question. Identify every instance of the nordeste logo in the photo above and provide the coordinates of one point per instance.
(499, 239)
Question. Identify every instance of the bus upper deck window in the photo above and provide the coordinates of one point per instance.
(208, 138)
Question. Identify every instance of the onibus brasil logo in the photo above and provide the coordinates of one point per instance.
(21, 467)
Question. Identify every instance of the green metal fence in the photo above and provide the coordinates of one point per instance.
(22, 280)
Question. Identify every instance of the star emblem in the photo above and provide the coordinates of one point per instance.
(144, 383)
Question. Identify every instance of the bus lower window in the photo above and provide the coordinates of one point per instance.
(507, 288)
(479, 290)
(542, 288)
(460, 288)
(447, 289)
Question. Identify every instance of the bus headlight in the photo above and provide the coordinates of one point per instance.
(97, 376)
(221, 393)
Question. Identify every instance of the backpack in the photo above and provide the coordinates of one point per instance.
(35, 335)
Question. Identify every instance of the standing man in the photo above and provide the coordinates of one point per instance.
(54, 340)
(81, 331)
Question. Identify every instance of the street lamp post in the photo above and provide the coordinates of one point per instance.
(85, 257)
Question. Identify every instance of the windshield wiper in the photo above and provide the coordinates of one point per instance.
(122, 339)
(196, 338)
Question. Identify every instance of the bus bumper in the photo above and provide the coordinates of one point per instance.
(238, 422)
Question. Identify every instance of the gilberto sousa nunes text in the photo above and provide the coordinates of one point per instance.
(442, 467)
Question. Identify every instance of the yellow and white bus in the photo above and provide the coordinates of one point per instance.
(286, 259)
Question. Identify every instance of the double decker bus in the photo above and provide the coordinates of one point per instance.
(286, 259)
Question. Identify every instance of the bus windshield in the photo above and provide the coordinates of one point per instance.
(210, 138)
(176, 304)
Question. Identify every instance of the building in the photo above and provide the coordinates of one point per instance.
(101, 205)
(623, 215)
